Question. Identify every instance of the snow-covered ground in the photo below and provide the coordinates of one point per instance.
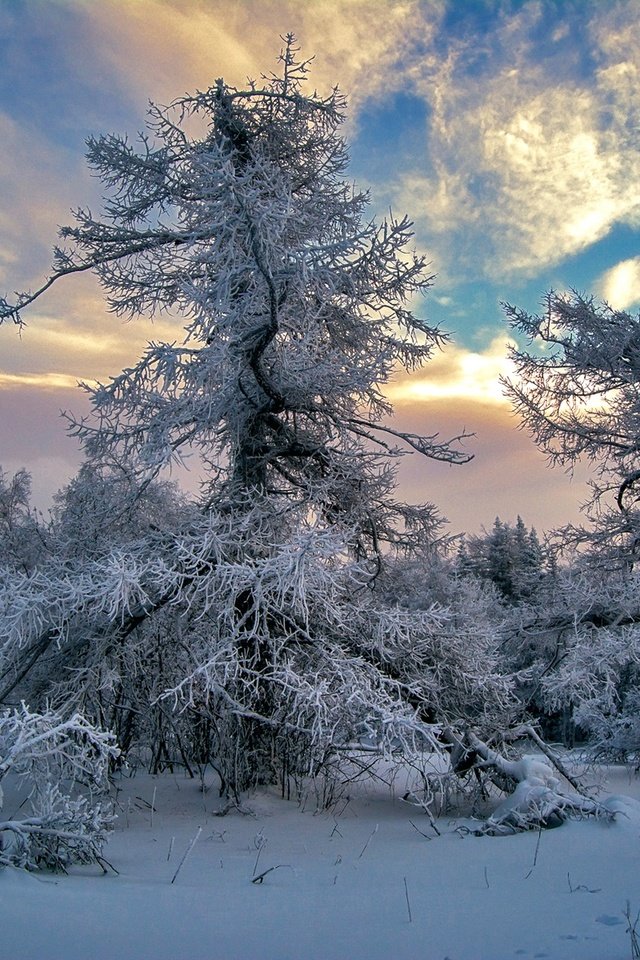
(359, 882)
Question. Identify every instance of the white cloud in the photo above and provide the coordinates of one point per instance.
(158, 49)
(529, 161)
(534, 157)
(620, 286)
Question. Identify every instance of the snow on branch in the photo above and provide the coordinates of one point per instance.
(537, 799)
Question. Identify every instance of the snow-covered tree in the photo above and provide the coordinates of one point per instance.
(511, 558)
(577, 656)
(246, 629)
(23, 534)
(297, 308)
(578, 392)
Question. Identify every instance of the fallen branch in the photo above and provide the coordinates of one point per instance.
(555, 760)
(536, 800)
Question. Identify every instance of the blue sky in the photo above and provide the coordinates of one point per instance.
(509, 132)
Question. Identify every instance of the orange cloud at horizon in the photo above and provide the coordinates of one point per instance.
(457, 371)
(458, 390)
(508, 475)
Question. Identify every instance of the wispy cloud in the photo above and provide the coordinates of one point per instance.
(158, 49)
(47, 381)
(36, 179)
(532, 154)
(78, 339)
(166, 48)
(534, 149)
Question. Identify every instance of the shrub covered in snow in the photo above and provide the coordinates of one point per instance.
(63, 763)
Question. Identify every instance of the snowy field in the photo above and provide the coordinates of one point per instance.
(360, 882)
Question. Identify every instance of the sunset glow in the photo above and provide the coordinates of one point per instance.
(508, 132)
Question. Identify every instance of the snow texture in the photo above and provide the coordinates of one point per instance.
(339, 890)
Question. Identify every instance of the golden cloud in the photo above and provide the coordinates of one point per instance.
(163, 48)
(508, 475)
(78, 339)
(457, 372)
(48, 381)
(527, 164)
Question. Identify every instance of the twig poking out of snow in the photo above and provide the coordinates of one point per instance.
(260, 842)
(581, 886)
(186, 854)
(632, 930)
(535, 855)
(369, 838)
(410, 797)
(421, 832)
(406, 894)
